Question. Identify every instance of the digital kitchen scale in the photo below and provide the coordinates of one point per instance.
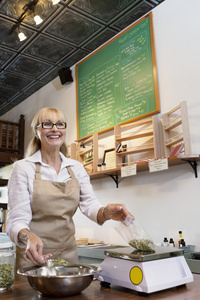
(145, 272)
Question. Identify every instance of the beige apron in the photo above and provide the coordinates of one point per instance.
(53, 206)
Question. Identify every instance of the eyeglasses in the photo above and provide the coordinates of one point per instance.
(49, 125)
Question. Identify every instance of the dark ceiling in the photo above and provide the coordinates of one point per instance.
(70, 30)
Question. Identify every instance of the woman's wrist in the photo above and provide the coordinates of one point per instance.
(105, 217)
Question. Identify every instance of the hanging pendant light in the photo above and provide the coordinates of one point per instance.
(22, 36)
(38, 20)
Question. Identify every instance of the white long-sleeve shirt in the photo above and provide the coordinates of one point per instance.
(20, 190)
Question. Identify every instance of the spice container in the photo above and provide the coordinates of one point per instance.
(99, 167)
(165, 242)
(7, 265)
(103, 166)
(171, 242)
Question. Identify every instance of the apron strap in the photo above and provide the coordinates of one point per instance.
(37, 172)
(71, 173)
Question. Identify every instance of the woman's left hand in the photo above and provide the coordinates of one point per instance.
(117, 212)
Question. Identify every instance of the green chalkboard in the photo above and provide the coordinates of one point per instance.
(118, 83)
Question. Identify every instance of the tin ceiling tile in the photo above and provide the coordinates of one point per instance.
(100, 39)
(73, 27)
(5, 55)
(104, 10)
(28, 66)
(10, 41)
(12, 81)
(34, 87)
(47, 48)
(6, 94)
(134, 14)
(75, 57)
(50, 75)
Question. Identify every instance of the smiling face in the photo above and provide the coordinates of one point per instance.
(53, 138)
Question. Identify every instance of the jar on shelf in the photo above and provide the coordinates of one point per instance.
(7, 265)
(103, 166)
(99, 167)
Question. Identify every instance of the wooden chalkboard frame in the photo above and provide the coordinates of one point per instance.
(154, 73)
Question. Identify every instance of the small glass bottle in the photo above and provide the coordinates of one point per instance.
(99, 167)
(180, 238)
(103, 166)
(7, 265)
(171, 242)
(165, 242)
(182, 243)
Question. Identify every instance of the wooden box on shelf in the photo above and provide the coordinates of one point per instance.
(87, 153)
(176, 130)
(145, 135)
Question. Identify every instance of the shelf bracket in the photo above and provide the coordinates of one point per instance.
(193, 164)
(115, 178)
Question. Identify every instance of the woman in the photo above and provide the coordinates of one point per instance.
(44, 191)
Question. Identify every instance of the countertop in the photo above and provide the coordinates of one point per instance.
(21, 290)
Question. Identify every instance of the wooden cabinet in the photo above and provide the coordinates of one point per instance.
(11, 141)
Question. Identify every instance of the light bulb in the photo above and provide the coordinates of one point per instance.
(55, 2)
(38, 20)
(22, 36)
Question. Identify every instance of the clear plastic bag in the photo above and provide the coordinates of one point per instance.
(133, 233)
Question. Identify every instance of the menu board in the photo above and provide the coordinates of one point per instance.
(118, 83)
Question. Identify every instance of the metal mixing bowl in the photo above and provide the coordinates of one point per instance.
(60, 281)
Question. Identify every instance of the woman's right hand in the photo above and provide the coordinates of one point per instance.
(34, 247)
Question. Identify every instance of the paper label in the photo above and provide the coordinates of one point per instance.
(158, 165)
(128, 170)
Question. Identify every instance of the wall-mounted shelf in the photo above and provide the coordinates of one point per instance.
(172, 161)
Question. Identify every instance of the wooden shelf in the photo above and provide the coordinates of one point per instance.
(172, 161)
(174, 125)
(174, 142)
(136, 150)
(136, 136)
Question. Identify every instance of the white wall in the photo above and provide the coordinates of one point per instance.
(163, 202)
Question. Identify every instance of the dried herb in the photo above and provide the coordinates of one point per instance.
(57, 262)
(6, 275)
(143, 245)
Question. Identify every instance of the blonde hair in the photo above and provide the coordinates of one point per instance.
(43, 114)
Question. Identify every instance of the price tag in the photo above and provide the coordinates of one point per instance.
(128, 170)
(158, 165)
